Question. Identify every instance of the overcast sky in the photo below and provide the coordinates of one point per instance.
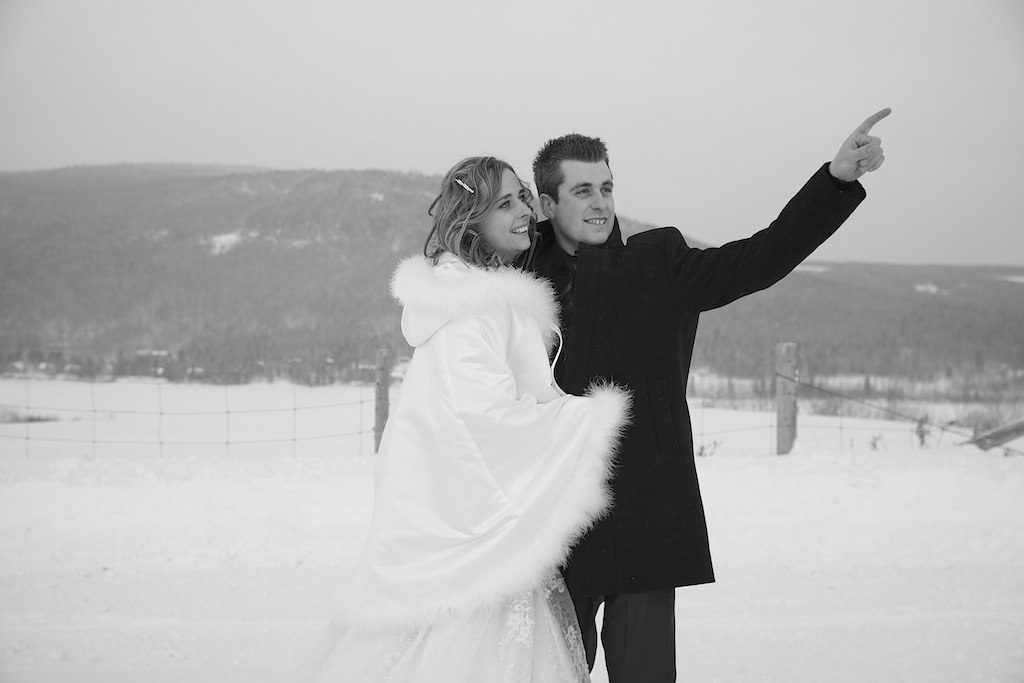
(714, 111)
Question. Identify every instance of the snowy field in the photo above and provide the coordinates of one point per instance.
(128, 555)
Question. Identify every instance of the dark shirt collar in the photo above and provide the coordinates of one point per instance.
(548, 243)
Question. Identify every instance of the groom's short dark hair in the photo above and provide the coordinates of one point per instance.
(547, 165)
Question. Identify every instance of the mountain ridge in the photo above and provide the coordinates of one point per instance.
(231, 267)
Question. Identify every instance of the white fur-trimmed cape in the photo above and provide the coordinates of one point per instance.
(486, 475)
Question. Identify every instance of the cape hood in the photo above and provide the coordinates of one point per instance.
(434, 295)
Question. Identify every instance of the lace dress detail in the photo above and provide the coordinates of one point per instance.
(530, 638)
(564, 614)
(518, 626)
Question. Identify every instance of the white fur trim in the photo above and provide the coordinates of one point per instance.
(452, 290)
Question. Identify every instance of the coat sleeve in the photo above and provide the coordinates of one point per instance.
(549, 457)
(710, 278)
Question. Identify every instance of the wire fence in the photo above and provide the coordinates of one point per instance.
(922, 426)
(917, 430)
(171, 418)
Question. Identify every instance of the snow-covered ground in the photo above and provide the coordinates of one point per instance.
(858, 557)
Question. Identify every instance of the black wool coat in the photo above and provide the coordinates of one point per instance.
(635, 310)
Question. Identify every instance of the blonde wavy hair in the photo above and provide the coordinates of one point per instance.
(468, 192)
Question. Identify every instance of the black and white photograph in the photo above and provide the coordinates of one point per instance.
(511, 342)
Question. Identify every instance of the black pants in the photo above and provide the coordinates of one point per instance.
(638, 634)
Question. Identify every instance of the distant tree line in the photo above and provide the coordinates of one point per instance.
(198, 363)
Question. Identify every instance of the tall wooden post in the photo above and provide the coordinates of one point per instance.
(382, 386)
(785, 397)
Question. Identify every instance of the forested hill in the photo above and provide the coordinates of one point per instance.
(236, 269)
(913, 321)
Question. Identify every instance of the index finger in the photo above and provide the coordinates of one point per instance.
(872, 120)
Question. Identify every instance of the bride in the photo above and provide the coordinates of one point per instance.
(487, 473)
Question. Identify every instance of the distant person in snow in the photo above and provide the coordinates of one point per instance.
(487, 472)
(629, 314)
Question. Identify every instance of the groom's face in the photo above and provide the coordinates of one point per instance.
(584, 210)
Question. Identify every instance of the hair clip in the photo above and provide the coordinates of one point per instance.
(466, 187)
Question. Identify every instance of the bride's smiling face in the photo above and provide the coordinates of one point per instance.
(506, 225)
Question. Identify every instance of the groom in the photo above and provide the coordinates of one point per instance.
(629, 314)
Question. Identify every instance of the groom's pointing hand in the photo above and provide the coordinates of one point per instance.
(860, 153)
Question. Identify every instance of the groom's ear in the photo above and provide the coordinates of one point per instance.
(547, 206)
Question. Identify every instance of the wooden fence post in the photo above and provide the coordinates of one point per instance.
(382, 386)
(785, 397)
